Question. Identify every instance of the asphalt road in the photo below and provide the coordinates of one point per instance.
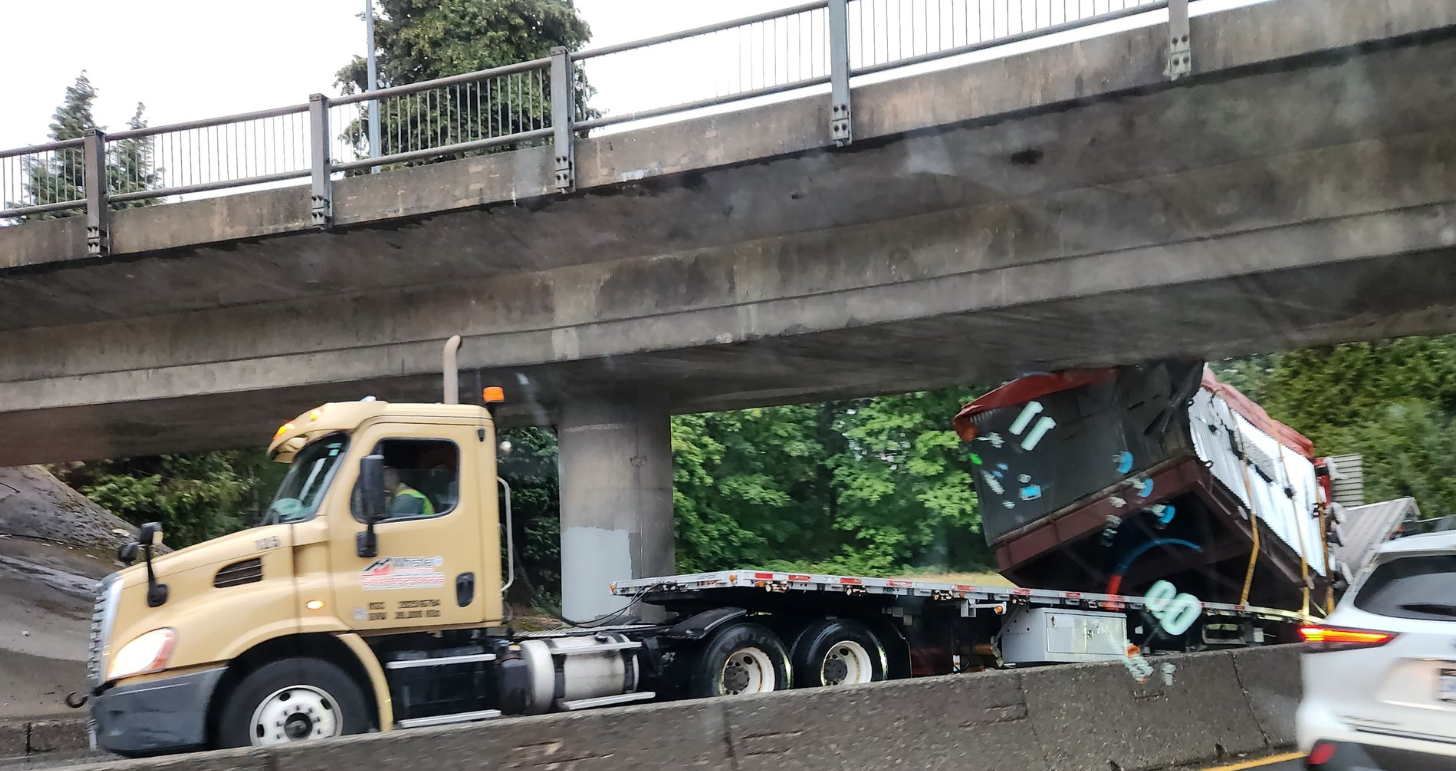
(1285, 762)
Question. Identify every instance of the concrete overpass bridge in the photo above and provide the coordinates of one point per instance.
(1290, 182)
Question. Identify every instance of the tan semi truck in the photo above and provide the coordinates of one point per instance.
(370, 598)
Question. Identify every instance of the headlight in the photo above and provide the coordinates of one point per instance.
(148, 653)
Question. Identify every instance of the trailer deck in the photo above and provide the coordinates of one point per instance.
(970, 597)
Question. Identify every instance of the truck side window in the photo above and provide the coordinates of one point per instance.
(421, 478)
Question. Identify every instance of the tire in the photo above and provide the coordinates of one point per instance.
(304, 698)
(837, 652)
(739, 658)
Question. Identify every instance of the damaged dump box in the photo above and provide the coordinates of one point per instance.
(1109, 480)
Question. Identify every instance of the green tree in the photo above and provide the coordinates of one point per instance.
(1249, 374)
(61, 176)
(419, 40)
(1408, 448)
(1319, 389)
(530, 469)
(1391, 401)
(195, 496)
(868, 486)
(906, 495)
(131, 167)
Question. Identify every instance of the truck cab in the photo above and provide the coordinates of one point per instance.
(183, 642)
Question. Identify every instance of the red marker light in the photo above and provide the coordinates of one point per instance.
(1329, 638)
(1322, 752)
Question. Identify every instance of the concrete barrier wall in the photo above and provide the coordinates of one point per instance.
(1088, 717)
(40, 736)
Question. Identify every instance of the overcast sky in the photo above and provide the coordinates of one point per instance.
(189, 59)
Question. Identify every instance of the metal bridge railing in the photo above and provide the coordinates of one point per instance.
(544, 101)
(43, 178)
(232, 151)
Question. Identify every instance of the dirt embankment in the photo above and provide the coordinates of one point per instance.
(54, 545)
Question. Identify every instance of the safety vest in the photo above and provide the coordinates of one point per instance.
(404, 503)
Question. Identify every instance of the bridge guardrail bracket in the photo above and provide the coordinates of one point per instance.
(321, 172)
(839, 125)
(1180, 50)
(563, 118)
(841, 129)
(94, 184)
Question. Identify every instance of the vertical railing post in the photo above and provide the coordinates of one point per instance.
(841, 128)
(98, 208)
(563, 116)
(1180, 51)
(322, 193)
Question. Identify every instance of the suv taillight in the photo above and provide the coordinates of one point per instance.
(1319, 639)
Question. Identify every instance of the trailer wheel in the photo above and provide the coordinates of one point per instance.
(740, 658)
(837, 652)
(292, 700)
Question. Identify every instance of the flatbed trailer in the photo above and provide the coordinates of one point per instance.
(933, 627)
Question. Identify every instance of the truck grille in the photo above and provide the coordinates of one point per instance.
(101, 619)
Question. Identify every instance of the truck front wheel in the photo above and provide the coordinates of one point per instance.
(291, 700)
(739, 658)
(837, 652)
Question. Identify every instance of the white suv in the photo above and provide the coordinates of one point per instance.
(1380, 672)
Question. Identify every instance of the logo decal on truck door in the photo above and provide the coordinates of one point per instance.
(403, 573)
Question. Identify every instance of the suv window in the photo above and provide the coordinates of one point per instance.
(1418, 587)
(421, 479)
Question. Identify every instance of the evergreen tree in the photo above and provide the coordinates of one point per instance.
(130, 167)
(61, 176)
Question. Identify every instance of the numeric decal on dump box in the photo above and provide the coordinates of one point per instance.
(1174, 611)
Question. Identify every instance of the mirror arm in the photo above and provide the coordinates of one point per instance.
(156, 593)
(366, 544)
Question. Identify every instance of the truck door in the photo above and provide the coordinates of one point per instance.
(427, 572)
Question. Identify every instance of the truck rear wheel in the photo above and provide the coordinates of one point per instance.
(292, 700)
(739, 658)
(837, 652)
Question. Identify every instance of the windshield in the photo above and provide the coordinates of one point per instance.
(303, 486)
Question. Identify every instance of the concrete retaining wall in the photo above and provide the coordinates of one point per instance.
(1091, 717)
(26, 738)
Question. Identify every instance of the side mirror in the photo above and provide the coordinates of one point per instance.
(371, 494)
(150, 534)
(371, 487)
(127, 554)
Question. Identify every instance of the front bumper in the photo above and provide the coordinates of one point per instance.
(155, 717)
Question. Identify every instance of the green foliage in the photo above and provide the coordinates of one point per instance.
(530, 469)
(1391, 401)
(1250, 374)
(196, 496)
(61, 176)
(1409, 449)
(129, 168)
(868, 486)
(1317, 389)
(419, 40)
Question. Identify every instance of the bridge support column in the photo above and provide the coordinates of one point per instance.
(616, 498)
